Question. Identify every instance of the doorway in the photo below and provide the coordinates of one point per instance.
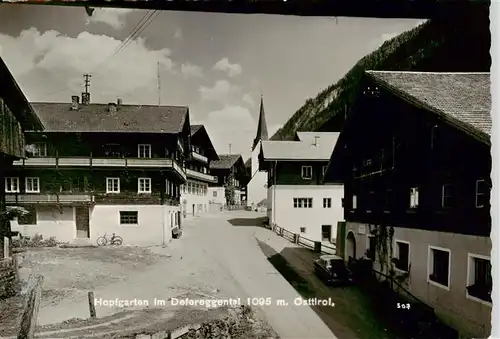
(194, 211)
(350, 248)
(326, 233)
(82, 220)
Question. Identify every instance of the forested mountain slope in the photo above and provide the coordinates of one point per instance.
(459, 43)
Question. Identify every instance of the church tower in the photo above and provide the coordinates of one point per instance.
(256, 189)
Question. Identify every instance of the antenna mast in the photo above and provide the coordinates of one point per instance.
(159, 84)
(87, 82)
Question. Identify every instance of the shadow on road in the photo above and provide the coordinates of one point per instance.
(259, 221)
(351, 317)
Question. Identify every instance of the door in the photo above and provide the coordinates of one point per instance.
(326, 232)
(194, 212)
(82, 220)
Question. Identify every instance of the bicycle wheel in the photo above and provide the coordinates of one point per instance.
(117, 241)
(101, 241)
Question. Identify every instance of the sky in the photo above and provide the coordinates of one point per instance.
(217, 64)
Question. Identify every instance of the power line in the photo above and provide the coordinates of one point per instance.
(146, 20)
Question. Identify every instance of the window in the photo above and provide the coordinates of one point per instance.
(29, 218)
(447, 196)
(438, 268)
(354, 202)
(479, 280)
(11, 185)
(167, 187)
(307, 172)
(372, 246)
(434, 130)
(129, 218)
(327, 202)
(402, 260)
(389, 199)
(144, 185)
(482, 194)
(323, 170)
(173, 189)
(414, 197)
(112, 185)
(302, 230)
(40, 150)
(144, 151)
(32, 185)
(302, 202)
(215, 194)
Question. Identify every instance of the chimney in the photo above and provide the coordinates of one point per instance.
(85, 98)
(112, 107)
(119, 102)
(316, 140)
(75, 100)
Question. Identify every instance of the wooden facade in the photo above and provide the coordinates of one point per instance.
(290, 172)
(393, 148)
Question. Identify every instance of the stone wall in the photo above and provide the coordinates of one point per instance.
(240, 324)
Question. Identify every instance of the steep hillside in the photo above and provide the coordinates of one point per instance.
(458, 44)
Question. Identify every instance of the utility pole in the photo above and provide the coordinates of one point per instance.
(159, 84)
(87, 82)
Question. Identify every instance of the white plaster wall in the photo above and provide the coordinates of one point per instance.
(256, 188)
(470, 316)
(50, 223)
(191, 199)
(220, 197)
(154, 223)
(285, 215)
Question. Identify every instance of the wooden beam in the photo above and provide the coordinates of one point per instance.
(31, 306)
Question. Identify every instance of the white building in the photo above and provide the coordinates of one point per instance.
(222, 168)
(297, 199)
(257, 186)
(195, 195)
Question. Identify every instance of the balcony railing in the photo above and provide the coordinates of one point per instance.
(101, 162)
(199, 157)
(48, 198)
(201, 176)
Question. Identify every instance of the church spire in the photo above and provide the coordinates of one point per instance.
(261, 126)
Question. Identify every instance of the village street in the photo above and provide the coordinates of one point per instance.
(213, 259)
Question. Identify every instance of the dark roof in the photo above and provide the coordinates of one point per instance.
(261, 125)
(248, 163)
(226, 161)
(463, 99)
(59, 117)
(199, 134)
(16, 101)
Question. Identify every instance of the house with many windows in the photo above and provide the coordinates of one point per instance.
(414, 157)
(98, 169)
(230, 172)
(297, 200)
(16, 116)
(194, 194)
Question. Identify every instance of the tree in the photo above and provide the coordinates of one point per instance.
(229, 189)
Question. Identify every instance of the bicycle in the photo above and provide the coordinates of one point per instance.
(111, 240)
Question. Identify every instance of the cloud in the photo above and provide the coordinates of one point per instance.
(222, 124)
(248, 99)
(50, 66)
(221, 90)
(114, 17)
(190, 70)
(231, 69)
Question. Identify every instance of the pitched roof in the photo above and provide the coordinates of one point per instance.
(261, 125)
(311, 149)
(200, 136)
(464, 99)
(226, 161)
(59, 117)
(195, 128)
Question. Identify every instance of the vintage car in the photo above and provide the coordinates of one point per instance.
(332, 270)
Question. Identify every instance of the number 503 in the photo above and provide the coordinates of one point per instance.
(403, 306)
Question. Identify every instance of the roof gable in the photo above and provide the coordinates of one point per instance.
(226, 161)
(59, 117)
(463, 99)
(200, 133)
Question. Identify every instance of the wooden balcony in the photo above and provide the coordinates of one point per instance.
(201, 176)
(199, 157)
(48, 198)
(102, 163)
